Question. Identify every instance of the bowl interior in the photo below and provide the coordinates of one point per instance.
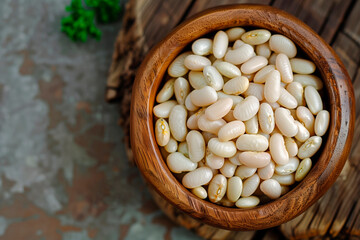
(329, 161)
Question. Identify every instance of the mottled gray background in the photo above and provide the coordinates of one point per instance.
(64, 173)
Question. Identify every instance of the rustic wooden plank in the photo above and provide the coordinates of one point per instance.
(352, 27)
(200, 5)
(335, 17)
(348, 51)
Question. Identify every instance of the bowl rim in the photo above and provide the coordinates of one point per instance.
(323, 174)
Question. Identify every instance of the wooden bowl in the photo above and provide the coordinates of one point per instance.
(335, 147)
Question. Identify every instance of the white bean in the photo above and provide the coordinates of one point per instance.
(247, 108)
(250, 185)
(202, 46)
(217, 188)
(306, 118)
(219, 109)
(247, 202)
(227, 69)
(234, 159)
(285, 122)
(189, 104)
(278, 150)
(238, 43)
(284, 67)
(197, 80)
(303, 169)
(198, 177)
(272, 59)
(196, 145)
(234, 188)
(272, 86)
(263, 50)
(182, 148)
(286, 180)
(309, 80)
(162, 132)
(260, 76)
(181, 89)
(213, 161)
(192, 122)
(162, 110)
(271, 188)
(254, 159)
(207, 125)
(291, 147)
(266, 172)
(234, 33)
(286, 99)
(266, 118)
(256, 37)
(166, 92)
(281, 44)
(196, 62)
(310, 147)
(302, 66)
(297, 91)
(178, 163)
(302, 134)
(313, 100)
(228, 169)
(204, 96)
(254, 64)
(229, 117)
(222, 149)
(245, 171)
(252, 142)
(252, 125)
(256, 90)
(177, 67)
(177, 122)
(213, 78)
(220, 44)
(322, 122)
(236, 85)
(231, 130)
(288, 168)
(239, 55)
(200, 192)
(172, 145)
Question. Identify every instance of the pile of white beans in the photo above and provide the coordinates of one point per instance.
(240, 116)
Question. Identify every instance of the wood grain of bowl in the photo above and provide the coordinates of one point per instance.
(335, 148)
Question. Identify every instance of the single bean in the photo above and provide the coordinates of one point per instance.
(213, 161)
(266, 172)
(260, 76)
(266, 118)
(229, 117)
(231, 130)
(309, 80)
(302, 66)
(297, 91)
(198, 177)
(196, 62)
(286, 99)
(213, 78)
(207, 125)
(238, 43)
(252, 125)
(220, 44)
(322, 122)
(254, 159)
(286, 180)
(278, 150)
(281, 44)
(244, 172)
(204, 96)
(222, 149)
(192, 122)
(178, 163)
(181, 89)
(256, 37)
(234, 188)
(219, 109)
(162, 132)
(272, 86)
(263, 50)
(239, 55)
(285, 122)
(177, 67)
(246, 109)
(284, 67)
(303, 169)
(254, 64)
(247, 202)
(189, 105)
(288, 168)
(310, 147)
(202, 46)
(313, 100)
(172, 145)
(177, 122)
(196, 145)
(302, 134)
(200, 192)
(162, 110)
(234, 33)
(197, 80)
(236, 85)
(252, 142)
(228, 169)
(227, 69)
(250, 185)
(217, 188)
(291, 147)
(271, 188)
(306, 118)
(166, 92)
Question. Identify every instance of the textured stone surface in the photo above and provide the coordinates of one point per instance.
(63, 169)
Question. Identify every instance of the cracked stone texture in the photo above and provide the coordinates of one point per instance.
(64, 173)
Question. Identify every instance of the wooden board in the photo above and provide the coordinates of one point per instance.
(147, 22)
